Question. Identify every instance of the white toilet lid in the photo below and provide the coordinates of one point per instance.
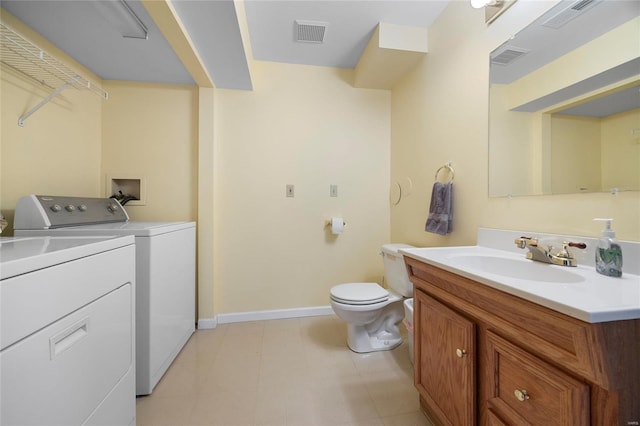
(359, 293)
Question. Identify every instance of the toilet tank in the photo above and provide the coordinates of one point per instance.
(395, 272)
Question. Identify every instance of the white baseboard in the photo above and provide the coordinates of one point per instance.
(207, 323)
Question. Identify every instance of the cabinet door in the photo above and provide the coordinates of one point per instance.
(445, 371)
(525, 387)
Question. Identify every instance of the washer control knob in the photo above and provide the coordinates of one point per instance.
(55, 208)
(112, 208)
(70, 208)
(82, 208)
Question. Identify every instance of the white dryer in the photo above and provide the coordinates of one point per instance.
(165, 270)
(67, 331)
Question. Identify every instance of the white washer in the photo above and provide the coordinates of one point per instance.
(67, 338)
(165, 270)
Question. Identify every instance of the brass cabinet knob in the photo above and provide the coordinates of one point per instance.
(461, 352)
(521, 395)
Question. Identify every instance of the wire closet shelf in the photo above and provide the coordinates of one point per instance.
(20, 54)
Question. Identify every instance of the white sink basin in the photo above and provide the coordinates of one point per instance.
(576, 291)
(522, 269)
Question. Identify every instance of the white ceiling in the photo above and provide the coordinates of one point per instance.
(350, 26)
(79, 28)
(81, 31)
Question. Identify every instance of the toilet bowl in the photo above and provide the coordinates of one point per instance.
(373, 313)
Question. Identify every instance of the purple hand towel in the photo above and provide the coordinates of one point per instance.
(440, 209)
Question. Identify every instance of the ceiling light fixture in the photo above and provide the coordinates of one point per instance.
(492, 8)
(479, 4)
(123, 18)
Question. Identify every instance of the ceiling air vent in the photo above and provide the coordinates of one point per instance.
(576, 9)
(507, 55)
(310, 31)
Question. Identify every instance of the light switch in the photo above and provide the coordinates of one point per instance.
(289, 190)
(333, 190)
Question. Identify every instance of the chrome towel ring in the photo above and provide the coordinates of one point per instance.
(448, 167)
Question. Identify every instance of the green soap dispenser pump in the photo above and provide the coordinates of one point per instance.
(608, 252)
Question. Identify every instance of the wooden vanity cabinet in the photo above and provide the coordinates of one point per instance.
(486, 357)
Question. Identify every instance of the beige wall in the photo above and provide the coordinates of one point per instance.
(57, 152)
(206, 198)
(575, 154)
(301, 125)
(309, 127)
(150, 130)
(513, 153)
(69, 145)
(439, 114)
(621, 150)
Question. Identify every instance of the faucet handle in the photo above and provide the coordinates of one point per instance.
(564, 253)
(523, 242)
(576, 245)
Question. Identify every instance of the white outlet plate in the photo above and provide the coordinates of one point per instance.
(333, 190)
(290, 190)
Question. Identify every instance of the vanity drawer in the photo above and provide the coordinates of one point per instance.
(523, 387)
(494, 420)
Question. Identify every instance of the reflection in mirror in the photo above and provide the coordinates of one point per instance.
(564, 112)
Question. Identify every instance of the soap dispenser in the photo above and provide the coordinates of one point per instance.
(608, 252)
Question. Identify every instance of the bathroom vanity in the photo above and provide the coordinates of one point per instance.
(489, 354)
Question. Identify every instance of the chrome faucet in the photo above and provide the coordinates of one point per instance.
(544, 254)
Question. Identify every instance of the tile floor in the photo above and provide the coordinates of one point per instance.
(295, 371)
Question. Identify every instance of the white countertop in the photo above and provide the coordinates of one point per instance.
(579, 292)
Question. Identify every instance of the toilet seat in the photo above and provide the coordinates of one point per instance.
(359, 294)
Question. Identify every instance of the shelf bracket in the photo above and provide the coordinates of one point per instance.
(45, 101)
(28, 59)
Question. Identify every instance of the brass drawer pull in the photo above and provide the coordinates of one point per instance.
(521, 395)
(461, 352)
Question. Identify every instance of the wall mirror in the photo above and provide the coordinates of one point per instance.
(564, 102)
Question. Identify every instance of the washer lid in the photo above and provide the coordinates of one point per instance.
(359, 293)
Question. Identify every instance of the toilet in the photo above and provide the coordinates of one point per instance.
(372, 313)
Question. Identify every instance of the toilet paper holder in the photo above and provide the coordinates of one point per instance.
(328, 223)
